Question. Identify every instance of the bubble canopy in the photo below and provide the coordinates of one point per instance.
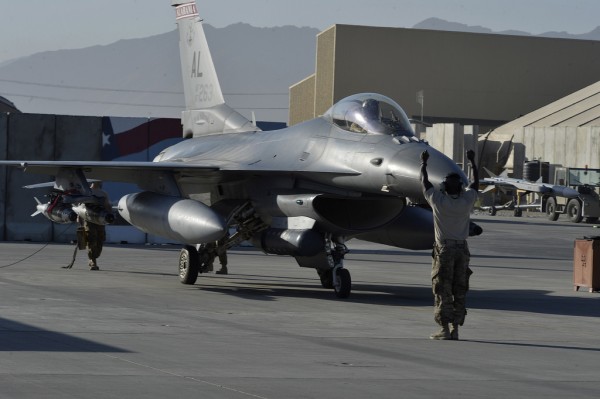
(371, 113)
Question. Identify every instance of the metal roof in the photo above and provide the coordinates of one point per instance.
(581, 108)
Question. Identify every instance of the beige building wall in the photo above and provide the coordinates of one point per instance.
(467, 78)
(302, 101)
(325, 73)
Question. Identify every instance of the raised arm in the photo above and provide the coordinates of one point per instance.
(424, 178)
(471, 158)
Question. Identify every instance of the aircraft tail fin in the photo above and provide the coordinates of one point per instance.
(206, 112)
(492, 174)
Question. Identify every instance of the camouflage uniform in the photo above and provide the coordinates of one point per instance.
(450, 266)
(449, 277)
(95, 234)
(451, 207)
(95, 237)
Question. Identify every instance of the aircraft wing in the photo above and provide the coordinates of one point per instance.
(139, 172)
(518, 184)
(537, 187)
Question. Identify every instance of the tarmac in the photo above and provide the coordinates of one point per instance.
(269, 330)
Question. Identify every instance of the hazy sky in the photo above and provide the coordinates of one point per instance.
(30, 26)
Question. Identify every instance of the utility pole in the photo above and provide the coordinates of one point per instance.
(421, 100)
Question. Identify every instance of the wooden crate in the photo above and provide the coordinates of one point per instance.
(586, 264)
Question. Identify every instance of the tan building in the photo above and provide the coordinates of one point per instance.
(565, 132)
(466, 78)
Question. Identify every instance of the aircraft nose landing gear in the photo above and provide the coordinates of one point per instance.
(341, 282)
(331, 271)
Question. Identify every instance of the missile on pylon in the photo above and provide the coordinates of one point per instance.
(564, 191)
(94, 215)
(58, 213)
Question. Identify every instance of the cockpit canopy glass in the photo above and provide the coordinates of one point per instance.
(371, 113)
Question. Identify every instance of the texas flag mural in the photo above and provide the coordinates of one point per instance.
(138, 139)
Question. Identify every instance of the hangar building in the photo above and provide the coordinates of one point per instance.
(466, 78)
(565, 132)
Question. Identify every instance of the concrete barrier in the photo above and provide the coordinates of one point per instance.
(30, 136)
(72, 138)
(3, 139)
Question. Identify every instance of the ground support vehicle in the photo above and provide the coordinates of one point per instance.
(585, 205)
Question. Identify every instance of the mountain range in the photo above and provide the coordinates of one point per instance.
(440, 24)
(142, 77)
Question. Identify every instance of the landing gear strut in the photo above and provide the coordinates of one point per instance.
(336, 276)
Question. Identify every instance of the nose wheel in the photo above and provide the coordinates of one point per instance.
(342, 282)
(336, 276)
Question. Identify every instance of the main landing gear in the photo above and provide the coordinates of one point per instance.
(335, 276)
(189, 265)
(193, 260)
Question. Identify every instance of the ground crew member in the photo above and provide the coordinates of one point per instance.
(450, 268)
(214, 249)
(96, 233)
(222, 254)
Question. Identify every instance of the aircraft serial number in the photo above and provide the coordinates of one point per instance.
(204, 92)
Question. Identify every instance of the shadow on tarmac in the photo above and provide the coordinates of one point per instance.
(19, 337)
(532, 345)
(532, 301)
(535, 301)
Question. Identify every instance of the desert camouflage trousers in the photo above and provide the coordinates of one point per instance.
(95, 237)
(450, 282)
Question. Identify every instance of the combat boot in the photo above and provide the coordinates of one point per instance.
(443, 334)
(454, 332)
(93, 265)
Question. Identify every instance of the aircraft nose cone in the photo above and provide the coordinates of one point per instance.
(405, 169)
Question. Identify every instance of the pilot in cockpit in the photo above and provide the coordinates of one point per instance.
(366, 113)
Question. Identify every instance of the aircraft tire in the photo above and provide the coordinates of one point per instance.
(518, 212)
(574, 211)
(492, 211)
(551, 209)
(189, 265)
(326, 277)
(342, 290)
